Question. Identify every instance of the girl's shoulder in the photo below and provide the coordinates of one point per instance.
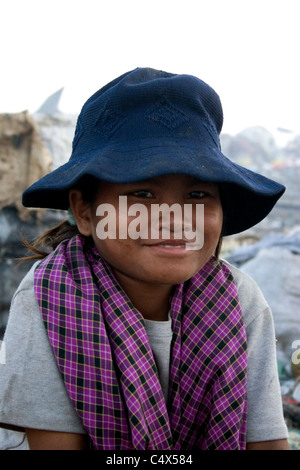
(24, 307)
(252, 300)
(26, 286)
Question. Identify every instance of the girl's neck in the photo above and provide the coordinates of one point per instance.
(152, 300)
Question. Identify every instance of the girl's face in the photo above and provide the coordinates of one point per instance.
(164, 260)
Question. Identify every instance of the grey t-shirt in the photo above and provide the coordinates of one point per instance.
(33, 395)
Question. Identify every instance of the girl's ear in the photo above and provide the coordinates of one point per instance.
(81, 212)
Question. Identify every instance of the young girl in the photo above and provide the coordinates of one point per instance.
(119, 339)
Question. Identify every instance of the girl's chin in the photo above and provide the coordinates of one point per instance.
(171, 277)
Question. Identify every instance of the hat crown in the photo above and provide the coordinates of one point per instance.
(149, 123)
(149, 104)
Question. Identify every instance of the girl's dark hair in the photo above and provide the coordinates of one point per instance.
(50, 239)
(218, 249)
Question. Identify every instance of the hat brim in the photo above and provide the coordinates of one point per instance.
(247, 197)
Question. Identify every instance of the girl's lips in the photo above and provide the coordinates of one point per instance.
(168, 243)
(171, 247)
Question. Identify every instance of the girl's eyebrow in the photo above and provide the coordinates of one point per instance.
(196, 182)
(137, 184)
(142, 183)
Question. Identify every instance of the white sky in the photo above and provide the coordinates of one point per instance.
(248, 50)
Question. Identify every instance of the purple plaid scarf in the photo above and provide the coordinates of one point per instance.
(103, 352)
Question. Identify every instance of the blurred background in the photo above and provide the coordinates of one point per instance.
(54, 55)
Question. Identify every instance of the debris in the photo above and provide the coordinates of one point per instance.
(294, 439)
(24, 158)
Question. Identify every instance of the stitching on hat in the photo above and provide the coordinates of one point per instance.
(165, 113)
(78, 133)
(109, 120)
(212, 130)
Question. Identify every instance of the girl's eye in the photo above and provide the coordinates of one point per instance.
(197, 194)
(143, 193)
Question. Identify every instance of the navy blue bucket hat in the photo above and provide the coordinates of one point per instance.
(148, 123)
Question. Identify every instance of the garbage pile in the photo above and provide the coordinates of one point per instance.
(274, 263)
